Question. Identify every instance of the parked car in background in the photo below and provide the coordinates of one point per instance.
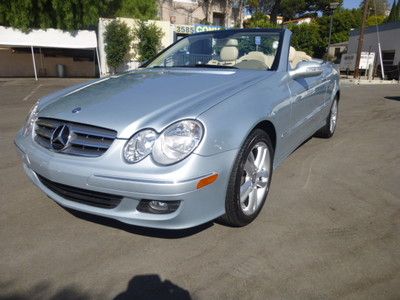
(193, 135)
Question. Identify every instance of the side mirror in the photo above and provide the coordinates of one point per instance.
(306, 69)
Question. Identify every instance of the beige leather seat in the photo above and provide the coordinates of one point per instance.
(297, 56)
(229, 53)
(267, 60)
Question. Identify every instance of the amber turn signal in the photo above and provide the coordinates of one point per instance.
(207, 181)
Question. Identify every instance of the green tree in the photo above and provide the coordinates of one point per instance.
(149, 37)
(258, 20)
(289, 9)
(397, 12)
(313, 38)
(71, 14)
(375, 20)
(344, 20)
(77, 14)
(137, 9)
(377, 7)
(394, 12)
(118, 39)
(307, 38)
(63, 14)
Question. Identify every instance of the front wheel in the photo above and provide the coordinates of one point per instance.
(330, 126)
(250, 180)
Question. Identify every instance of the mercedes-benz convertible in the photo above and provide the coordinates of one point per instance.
(191, 136)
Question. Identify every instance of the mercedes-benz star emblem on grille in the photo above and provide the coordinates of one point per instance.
(60, 138)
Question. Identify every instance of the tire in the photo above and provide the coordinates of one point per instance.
(329, 128)
(250, 180)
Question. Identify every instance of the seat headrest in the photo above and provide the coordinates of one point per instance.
(232, 42)
(292, 54)
(229, 53)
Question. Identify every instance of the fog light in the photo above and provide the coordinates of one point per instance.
(157, 207)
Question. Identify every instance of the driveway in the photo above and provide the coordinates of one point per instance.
(330, 228)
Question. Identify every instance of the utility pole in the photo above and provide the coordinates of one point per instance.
(332, 7)
(361, 40)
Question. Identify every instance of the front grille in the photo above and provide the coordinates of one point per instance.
(88, 197)
(83, 140)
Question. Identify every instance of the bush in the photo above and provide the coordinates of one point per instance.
(258, 20)
(149, 37)
(306, 37)
(118, 39)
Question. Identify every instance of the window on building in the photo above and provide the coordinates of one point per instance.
(388, 57)
(337, 52)
(218, 19)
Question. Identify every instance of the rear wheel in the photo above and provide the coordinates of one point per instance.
(250, 180)
(330, 126)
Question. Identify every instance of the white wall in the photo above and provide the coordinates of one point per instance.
(390, 40)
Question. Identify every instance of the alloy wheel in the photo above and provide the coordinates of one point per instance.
(255, 177)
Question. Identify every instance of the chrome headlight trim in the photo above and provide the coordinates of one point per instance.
(30, 120)
(139, 146)
(177, 141)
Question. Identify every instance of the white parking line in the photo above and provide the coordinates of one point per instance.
(32, 92)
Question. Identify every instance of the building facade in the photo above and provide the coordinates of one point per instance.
(223, 13)
(335, 51)
(389, 37)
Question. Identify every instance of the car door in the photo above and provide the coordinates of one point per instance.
(308, 99)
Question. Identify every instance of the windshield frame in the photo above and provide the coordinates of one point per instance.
(226, 34)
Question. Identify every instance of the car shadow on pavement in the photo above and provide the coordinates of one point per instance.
(151, 232)
(150, 286)
(395, 98)
(140, 287)
(44, 290)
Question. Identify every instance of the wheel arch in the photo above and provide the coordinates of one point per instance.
(337, 96)
(269, 128)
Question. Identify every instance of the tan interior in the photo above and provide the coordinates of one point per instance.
(229, 56)
(267, 60)
(297, 56)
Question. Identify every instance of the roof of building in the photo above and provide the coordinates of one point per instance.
(51, 38)
(298, 20)
(372, 29)
(339, 44)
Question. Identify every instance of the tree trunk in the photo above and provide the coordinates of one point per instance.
(209, 11)
(227, 12)
(240, 13)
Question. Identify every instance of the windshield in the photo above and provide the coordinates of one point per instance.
(241, 50)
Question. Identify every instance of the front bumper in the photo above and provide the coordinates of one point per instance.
(142, 181)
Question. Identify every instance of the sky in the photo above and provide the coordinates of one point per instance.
(351, 3)
(356, 3)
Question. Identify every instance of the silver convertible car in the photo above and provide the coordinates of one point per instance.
(191, 136)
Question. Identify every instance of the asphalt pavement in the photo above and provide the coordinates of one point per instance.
(330, 228)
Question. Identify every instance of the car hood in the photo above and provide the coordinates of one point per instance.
(147, 98)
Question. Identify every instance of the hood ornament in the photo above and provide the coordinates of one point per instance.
(76, 110)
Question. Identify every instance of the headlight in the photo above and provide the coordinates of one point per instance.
(140, 145)
(30, 120)
(177, 141)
